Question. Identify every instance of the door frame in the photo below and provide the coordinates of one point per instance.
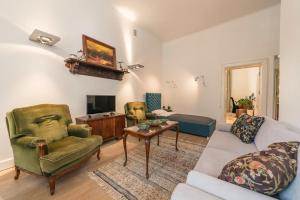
(264, 66)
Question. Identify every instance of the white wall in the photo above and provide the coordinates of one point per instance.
(252, 37)
(244, 82)
(290, 63)
(33, 74)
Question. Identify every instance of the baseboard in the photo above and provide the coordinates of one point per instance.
(6, 163)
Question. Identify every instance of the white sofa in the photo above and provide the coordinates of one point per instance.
(202, 182)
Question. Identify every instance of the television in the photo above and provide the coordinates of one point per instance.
(100, 104)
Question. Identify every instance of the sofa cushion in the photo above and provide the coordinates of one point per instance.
(67, 150)
(272, 131)
(267, 172)
(246, 127)
(224, 127)
(213, 160)
(228, 142)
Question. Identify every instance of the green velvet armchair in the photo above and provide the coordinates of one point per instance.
(137, 112)
(45, 143)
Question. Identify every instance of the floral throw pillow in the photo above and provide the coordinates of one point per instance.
(267, 172)
(246, 127)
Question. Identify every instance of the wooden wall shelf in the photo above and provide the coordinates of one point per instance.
(89, 69)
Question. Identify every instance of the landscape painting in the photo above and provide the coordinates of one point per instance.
(98, 52)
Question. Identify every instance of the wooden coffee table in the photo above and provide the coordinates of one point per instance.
(147, 135)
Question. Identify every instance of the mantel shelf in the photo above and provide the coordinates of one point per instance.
(90, 69)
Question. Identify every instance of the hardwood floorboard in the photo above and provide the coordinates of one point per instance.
(75, 185)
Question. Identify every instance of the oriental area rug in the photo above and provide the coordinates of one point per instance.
(167, 168)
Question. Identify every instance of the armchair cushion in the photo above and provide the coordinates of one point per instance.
(68, 150)
(138, 109)
(50, 130)
(79, 130)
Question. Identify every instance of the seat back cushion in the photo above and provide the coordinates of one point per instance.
(50, 129)
(47, 121)
(137, 109)
(272, 131)
(268, 172)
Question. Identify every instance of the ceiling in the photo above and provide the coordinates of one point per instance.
(171, 19)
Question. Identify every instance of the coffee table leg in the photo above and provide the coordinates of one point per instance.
(177, 133)
(157, 140)
(147, 146)
(125, 147)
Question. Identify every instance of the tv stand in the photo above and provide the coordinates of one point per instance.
(109, 126)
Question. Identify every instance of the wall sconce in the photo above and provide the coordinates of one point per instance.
(125, 67)
(43, 38)
(201, 79)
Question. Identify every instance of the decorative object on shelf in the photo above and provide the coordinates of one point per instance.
(97, 52)
(84, 68)
(43, 37)
(124, 67)
(79, 56)
(201, 79)
(135, 66)
(171, 83)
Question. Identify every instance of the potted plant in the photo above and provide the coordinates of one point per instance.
(246, 105)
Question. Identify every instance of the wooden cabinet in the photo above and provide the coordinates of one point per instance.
(108, 126)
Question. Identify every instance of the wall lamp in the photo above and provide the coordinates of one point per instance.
(201, 79)
(43, 37)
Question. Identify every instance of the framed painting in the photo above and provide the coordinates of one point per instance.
(97, 52)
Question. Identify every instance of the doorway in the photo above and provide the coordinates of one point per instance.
(276, 87)
(243, 91)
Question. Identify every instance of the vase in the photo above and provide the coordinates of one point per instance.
(241, 111)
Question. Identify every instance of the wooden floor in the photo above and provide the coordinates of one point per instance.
(75, 185)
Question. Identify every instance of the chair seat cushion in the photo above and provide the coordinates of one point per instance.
(66, 151)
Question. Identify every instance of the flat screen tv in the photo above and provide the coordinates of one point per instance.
(100, 104)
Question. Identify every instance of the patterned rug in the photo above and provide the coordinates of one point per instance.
(167, 168)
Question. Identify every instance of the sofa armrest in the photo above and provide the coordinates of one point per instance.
(79, 130)
(224, 127)
(33, 143)
(28, 141)
(222, 188)
(151, 115)
(187, 192)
